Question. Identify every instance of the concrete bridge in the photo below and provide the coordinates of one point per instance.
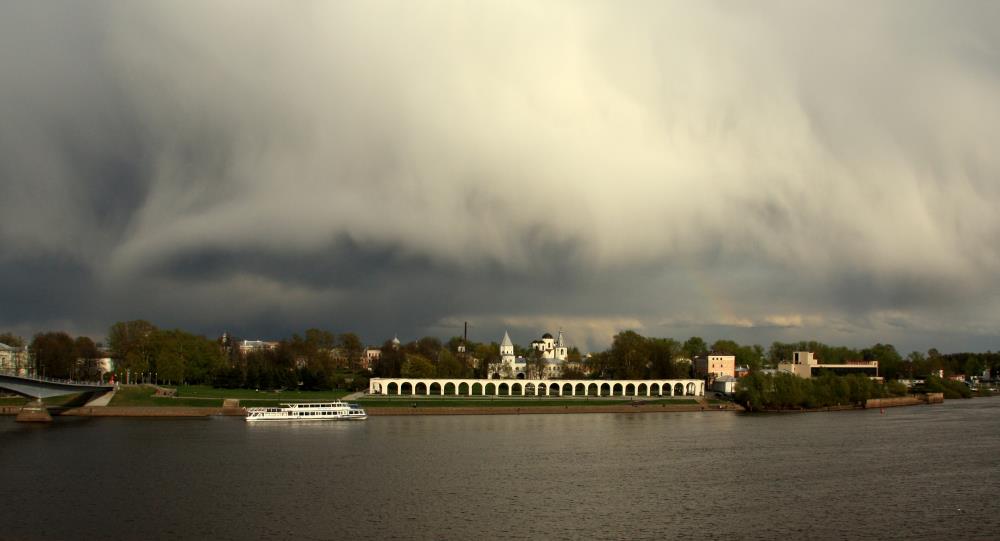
(537, 387)
(39, 388)
(35, 387)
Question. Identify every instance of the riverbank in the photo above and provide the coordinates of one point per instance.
(424, 406)
(871, 403)
(416, 407)
(135, 411)
(636, 407)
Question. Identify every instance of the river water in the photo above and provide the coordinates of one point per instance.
(924, 472)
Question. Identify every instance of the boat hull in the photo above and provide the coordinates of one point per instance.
(321, 411)
(300, 419)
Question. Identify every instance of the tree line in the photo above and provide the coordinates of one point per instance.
(319, 359)
(785, 391)
(59, 355)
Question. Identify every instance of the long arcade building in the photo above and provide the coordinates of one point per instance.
(537, 387)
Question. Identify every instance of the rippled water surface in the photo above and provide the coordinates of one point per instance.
(918, 472)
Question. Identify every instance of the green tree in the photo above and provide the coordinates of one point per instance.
(935, 361)
(418, 366)
(663, 353)
(860, 388)
(428, 347)
(916, 363)
(788, 391)
(488, 355)
(88, 358)
(536, 364)
(890, 363)
(390, 361)
(130, 344)
(320, 340)
(973, 366)
(450, 366)
(353, 349)
(779, 352)
(628, 356)
(170, 365)
(203, 359)
(694, 347)
(54, 354)
(725, 347)
(11, 339)
(751, 389)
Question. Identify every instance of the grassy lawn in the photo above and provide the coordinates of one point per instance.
(479, 402)
(205, 391)
(143, 397)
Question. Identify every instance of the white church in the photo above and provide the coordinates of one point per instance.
(553, 351)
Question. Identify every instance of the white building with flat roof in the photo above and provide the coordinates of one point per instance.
(246, 346)
(805, 365)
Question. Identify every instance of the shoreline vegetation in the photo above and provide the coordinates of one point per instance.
(760, 392)
(197, 375)
(197, 401)
(320, 360)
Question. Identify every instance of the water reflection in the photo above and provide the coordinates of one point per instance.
(853, 475)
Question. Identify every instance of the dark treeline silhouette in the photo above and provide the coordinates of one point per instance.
(320, 359)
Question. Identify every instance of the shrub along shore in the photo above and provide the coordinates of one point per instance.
(777, 392)
(756, 393)
(198, 401)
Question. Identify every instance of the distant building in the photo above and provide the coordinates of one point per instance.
(805, 365)
(510, 366)
(553, 353)
(550, 347)
(247, 346)
(13, 359)
(97, 365)
(713, 366)
(724, 385)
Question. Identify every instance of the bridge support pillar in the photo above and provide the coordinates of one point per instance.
(34, 412)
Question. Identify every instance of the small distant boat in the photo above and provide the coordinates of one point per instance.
(309, 411)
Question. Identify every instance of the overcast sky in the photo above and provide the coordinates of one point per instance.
(757, 171)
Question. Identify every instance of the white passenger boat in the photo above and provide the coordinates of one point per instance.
(309, 411)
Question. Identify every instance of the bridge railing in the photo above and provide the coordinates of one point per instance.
(36, 377)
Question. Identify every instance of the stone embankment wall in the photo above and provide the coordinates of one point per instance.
(106, 411)
(237, 411)
(929, 398)
(642, 408)
(151, 412)
(893, 402)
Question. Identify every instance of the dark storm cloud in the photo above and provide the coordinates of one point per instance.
(791, 171)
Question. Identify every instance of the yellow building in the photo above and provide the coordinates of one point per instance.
(715, 366)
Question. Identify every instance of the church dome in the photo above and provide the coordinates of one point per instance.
(546, 335)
